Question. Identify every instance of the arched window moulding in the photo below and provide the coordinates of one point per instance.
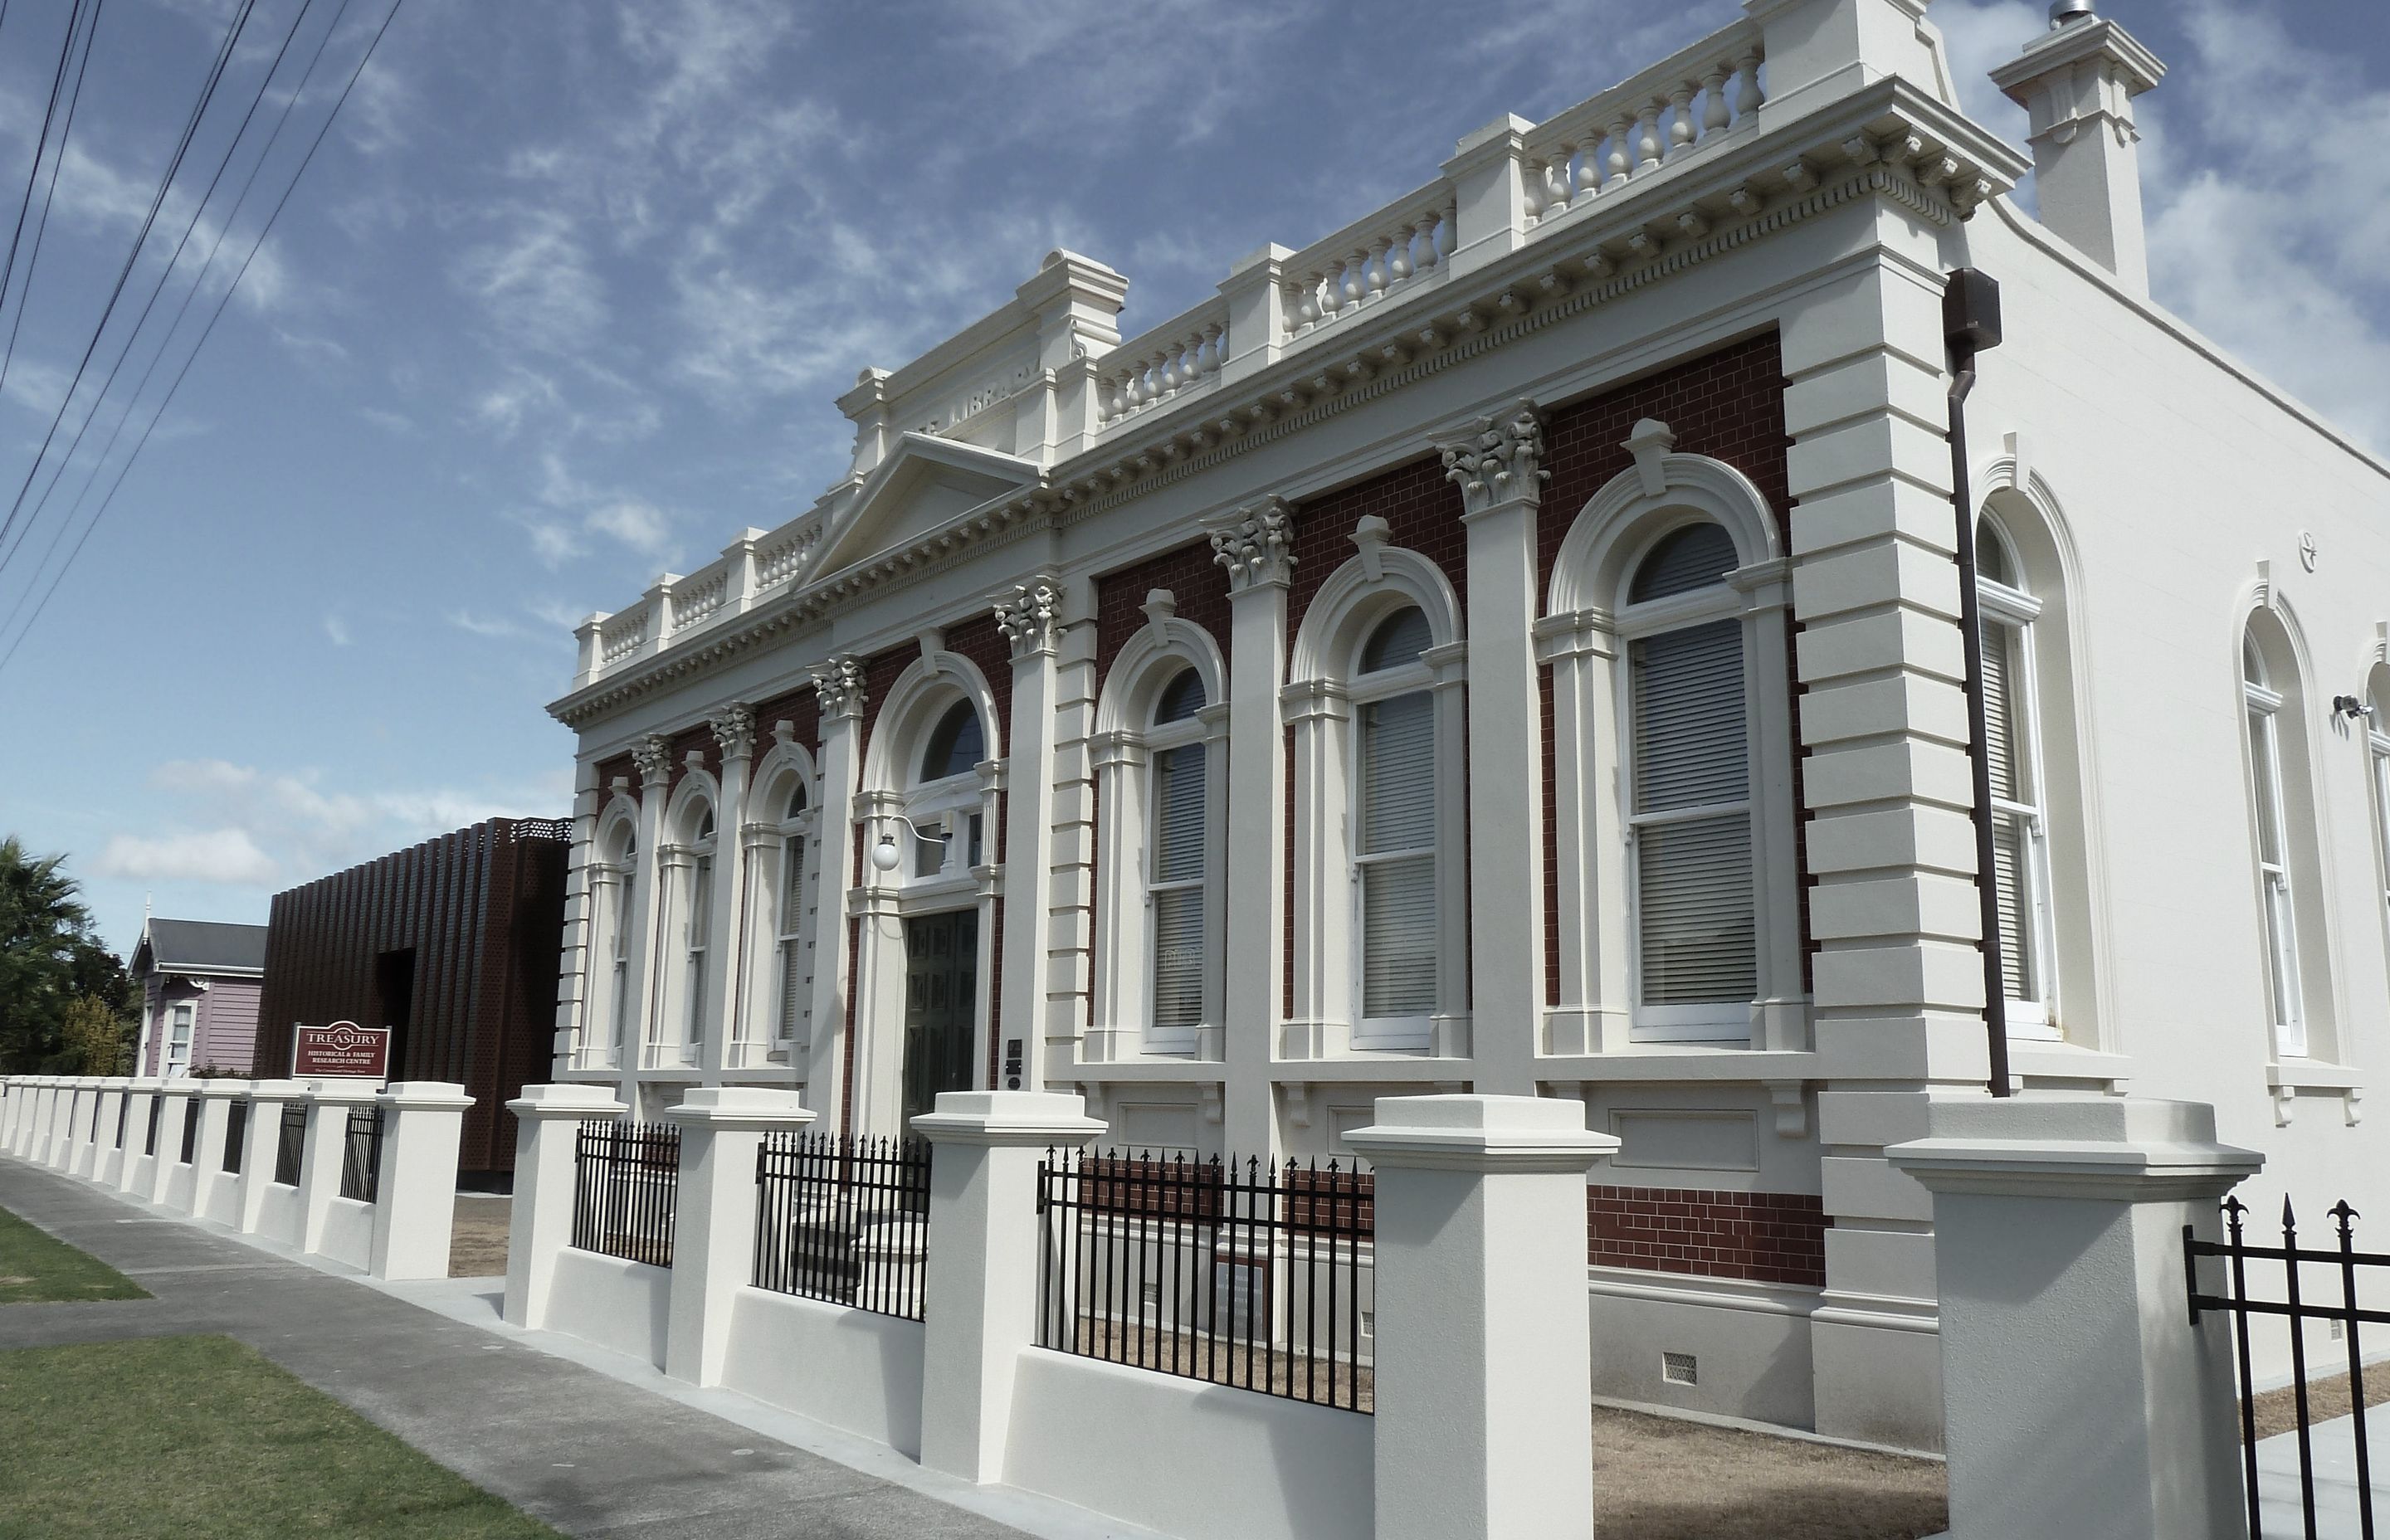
(780, 910)
(1585, 638)
(685, 955)
(1123, 1023)
(611, 885)
(1319, 704)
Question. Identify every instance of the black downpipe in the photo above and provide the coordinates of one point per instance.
(1971, 323)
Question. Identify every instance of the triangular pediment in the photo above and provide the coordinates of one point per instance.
(924, 482)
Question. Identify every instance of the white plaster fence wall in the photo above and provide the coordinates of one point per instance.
(98, 1129)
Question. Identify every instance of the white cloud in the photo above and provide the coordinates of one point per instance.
(643, 527)
(225, 856)
(537, 283)
(336, 628)
(484, 625)
(389, 422)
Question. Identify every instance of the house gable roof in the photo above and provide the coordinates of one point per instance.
(924, 482)
(199, 947)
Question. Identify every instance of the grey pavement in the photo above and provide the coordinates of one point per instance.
(569, 1439)
(2332, 1447)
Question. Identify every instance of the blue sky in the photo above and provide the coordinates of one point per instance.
(565, 299)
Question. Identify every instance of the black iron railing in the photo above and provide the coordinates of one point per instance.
(845, 1220)
(2337, 1303)
(157, 1110)
(626, 1182)
(236, 1135)
(1233, 1272)
(361, 1155)
(289, 1156)
(190, 1129)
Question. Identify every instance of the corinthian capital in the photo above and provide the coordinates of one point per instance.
(653, 757)
(1501, 460)
(733, 729)
(1030, 616)
(839, 683)
(1256, 544)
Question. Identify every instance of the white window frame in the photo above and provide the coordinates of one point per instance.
(2261, 715)
(696, 938)
(1363, 690)
(1725, 1021)
(182, 1022)
(2036, 1017)
(1193, 731)
(793, 886)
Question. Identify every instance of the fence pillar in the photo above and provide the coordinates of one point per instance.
(2078, 1400)
(261, 1146)
(721, 1129)
(139, 1096)
(82, 1128)
(980, 1287)
(208, 1176)
(548, 1121)
(414, 1193)
(105, 1155)
(328, 1103)
(1485, 1354)
(61, 1132)
(12, 1106)
(175, 1097)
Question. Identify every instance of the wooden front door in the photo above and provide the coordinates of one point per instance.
(941, 1005)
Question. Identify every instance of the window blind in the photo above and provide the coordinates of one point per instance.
(1397, 840)
(792, 880)
(1693, 873)
(1178, 814)
(1689, 717)
(1693, 897)
(1178, 895)
(2010, 846)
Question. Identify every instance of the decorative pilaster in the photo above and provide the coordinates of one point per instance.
(1498, 465)
(1255, 545)
(734, 731)
(653, 757)
(838, 682)
(1032, 617)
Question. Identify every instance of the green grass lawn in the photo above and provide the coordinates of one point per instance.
(36, 1265)
(200, 1436)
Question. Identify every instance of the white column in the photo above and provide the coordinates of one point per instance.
(2076, 84)
(12, 1091)
(1498, 466)
(640, 1022)
(721, 1128)
(209, 1179)
(84, 1145)
(1256, 548)
(837, 686)
(261, 1146)
(578, 1028)
(32, 1136)
(1484, 1353)
(726, 953)
(980, 1299)
(548, 1121)
(140, 1093)
(2078, 1397)
(62, 1116)
(415, 1193)
(106, 1156)
(1031, 618)
(329, 1103)
(177, 1098)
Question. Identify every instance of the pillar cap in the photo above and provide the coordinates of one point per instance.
(343, 1093)
(181, 1086)
(277, 1090)
(1009, 1119)
(748, 1107)
(410, 1096)
(89, 1082)
(2074, 1145)
(144, 1083)
(1480, 1133)
(223, 1087)
(588, 1103)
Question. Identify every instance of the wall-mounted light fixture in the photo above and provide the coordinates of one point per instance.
(885, 854)
(2350, 706)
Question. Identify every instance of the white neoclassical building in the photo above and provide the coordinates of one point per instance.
(1513, 643)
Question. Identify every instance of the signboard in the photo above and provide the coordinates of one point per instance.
(342, 1049)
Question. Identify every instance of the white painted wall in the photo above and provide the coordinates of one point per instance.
(618, 1305)
(850, 1369)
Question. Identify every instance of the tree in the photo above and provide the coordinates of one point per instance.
(49, 959)
(93, 1039)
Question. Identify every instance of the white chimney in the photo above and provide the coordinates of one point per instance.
(2076, 83)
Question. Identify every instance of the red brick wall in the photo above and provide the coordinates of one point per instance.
(1421, 510)
(1764, 1236)
(800, 708)
(1199, 584)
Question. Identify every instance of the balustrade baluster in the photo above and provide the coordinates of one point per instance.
(1556, 180)
(1532, 184)
(1377, 269)
(1715, 116)
(1292, 305)
(1681, 128)
(1355, 283)
(1332, 290)
(1398, 261)
(1646, 136)
(1588, 167)
(1621, 164)
(1429, 224)
(1216, 347)
(1748, 99)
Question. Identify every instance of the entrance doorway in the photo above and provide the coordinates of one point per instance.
(941, 1005)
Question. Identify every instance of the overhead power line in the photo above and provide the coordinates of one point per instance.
(213, 316)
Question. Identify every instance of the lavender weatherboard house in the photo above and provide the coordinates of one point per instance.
(199, 982)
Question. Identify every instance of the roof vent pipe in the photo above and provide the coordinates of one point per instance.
(2063, 12)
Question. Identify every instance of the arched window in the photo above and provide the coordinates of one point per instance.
(955, 745)
(1689, 806)
(1395, 849)
(698, 906)
(2377, 745)
(945, 804)
(2020, 822)
(2263, 703)
(791, 972)
(1178, 858)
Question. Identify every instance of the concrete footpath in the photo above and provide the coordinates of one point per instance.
(569, 1438)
